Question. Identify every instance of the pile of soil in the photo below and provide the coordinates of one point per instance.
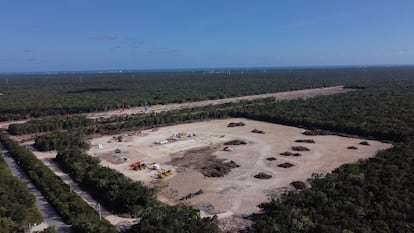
(288, 153)
(364, 143)
(263, 176)
(315, 132)
(202, 160)
(298, 185)
(352, 148)
(300, 148)
(234, 124)
(218, 169)
(305, 140)
(235, 142)
(271, 158)
(114, 158)
(286, 165)
(191, 195)
(258, 131)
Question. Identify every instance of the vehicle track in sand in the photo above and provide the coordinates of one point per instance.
(287, 95)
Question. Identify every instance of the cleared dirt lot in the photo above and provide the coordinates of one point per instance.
(237, 193)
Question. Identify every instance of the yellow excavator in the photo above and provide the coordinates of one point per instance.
(164, 173)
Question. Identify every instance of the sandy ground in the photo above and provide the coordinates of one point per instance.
(237, 193)
(5, 124)
(288, 95)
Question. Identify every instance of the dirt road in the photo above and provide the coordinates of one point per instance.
(51, 218)
(288, 95)
(119, 222)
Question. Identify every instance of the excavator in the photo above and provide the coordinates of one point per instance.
(163, 173)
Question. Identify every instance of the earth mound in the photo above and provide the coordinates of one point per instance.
(202, 160)
(258, 131)
(235, 142)
(300, 148)
(218, 169)
(286, 165)
(288, 153)
(314, 132)
(235, 124)
(263, 176)
(305, 141)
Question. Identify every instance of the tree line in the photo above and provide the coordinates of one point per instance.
(49, 124)
(73, 210)
(115, 191)
(61, 140)
(17, 204)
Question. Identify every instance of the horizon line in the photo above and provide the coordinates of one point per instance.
(106, 71)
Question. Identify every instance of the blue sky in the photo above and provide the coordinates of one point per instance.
(64, 35)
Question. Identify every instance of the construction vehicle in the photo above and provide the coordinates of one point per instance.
(134, 164)
(138, 166)
(163, 173)
(227, 148)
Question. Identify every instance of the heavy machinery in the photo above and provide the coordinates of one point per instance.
(141, 166)
(163, 173)
(227, 148)
(138, 166)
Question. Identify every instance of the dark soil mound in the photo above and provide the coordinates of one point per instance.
(235, 142)
(315, 132)
(287, 153)
(218, 169)
(298, 184)
(352, 148)
(262, 175)
(191, 195)
(203, 160)
(285, 165)
(258, 131)
(365, 143)
(305, 141)
(234, 124)
(271, 158)
(300, 148)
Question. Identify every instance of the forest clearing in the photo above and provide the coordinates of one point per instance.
(199, 145)
(287, 95)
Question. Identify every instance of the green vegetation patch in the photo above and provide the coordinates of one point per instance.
(17, 204)
(69, 205)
